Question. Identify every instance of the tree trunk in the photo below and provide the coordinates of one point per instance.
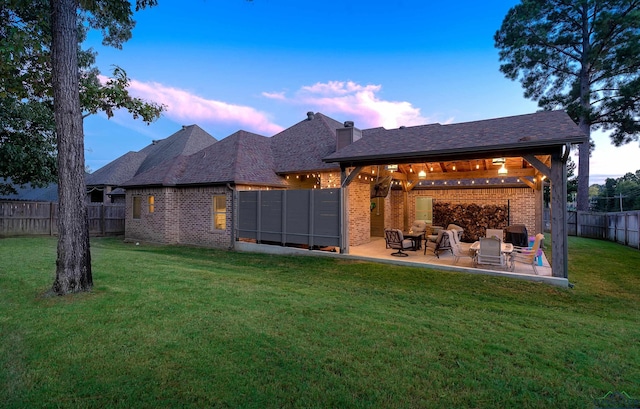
(585, 123)
(584, 153)
(73, 265)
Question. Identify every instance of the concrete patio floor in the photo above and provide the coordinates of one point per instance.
(376, 251)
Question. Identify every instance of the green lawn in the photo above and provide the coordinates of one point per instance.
(191, 327)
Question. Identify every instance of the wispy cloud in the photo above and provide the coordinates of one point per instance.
(186, 107)
(359, 103)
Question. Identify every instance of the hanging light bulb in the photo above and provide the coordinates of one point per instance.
(454, 166)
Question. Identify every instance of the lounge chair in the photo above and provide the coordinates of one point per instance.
(440, 243)
(395, 240)
(456, 248)
(527, 255)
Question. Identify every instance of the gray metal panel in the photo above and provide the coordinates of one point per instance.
(248, 215)
(292, 217)
(298, 216)
(327, 217)
(271, 216)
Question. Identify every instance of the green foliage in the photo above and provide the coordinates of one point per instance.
(172, 326)
(27, 128)
(616, 193)
(582, 56)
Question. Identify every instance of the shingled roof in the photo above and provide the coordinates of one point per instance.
(302, 146)
(188, 140)
(117, 171)
(509, 135)
(242, 157)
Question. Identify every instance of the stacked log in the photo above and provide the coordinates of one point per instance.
(473, 218)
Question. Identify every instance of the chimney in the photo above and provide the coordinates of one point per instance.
(347, 135)
(310, 115)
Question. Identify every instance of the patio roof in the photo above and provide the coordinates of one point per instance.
(537, 134)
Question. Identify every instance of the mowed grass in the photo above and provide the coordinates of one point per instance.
(171, 326)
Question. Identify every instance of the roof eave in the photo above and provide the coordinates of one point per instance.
(517, 149)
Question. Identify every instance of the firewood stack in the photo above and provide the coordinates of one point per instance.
(473, 218)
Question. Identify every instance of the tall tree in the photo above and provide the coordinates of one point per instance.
(114, 18)
(44, 71)
(582, 56)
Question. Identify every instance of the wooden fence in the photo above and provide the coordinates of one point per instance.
(621, 227)
(38, 218)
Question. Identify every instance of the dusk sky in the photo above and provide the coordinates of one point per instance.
(259, 66)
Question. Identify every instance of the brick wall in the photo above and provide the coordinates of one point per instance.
(149, 227)
(181, 216)
(359, 212)
(195, 210)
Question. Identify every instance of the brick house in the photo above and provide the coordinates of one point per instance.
(192, 197)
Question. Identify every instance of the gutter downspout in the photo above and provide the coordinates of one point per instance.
(233, 216)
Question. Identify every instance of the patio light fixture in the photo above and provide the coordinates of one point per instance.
(392, 168)
(498, 161)
(502, 170)
(422, 174)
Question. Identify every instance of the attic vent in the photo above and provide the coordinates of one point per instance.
(348, 124)
(310, 116)
(154, 141)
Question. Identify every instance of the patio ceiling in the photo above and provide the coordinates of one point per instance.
(465, 172)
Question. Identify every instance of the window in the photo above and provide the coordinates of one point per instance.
(152, 206)
(424, 209)
(137, 206)
(219, 212)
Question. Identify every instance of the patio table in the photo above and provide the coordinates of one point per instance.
(416, 238)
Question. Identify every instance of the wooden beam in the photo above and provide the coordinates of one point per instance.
(478, 174)
(538, 164)
(346, 181)
(529, 183)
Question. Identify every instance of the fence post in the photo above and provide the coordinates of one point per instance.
(50, 218)
(103, 224)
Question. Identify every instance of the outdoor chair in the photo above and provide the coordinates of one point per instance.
(497, 233)
(440, 243)
(527, 255)
(456, 248)
(395, 240)
(490, 252)
(459, 230)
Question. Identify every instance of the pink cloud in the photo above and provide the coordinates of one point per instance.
(359, 103)
(184, 106)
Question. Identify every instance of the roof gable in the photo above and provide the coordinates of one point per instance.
(187, 141)
(242, 157)
(303, 146)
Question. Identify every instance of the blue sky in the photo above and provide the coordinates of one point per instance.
(260, 66)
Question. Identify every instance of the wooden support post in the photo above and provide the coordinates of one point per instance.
(559, 244)
(344, 211)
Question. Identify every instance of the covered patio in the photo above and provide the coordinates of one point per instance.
(530, 149)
